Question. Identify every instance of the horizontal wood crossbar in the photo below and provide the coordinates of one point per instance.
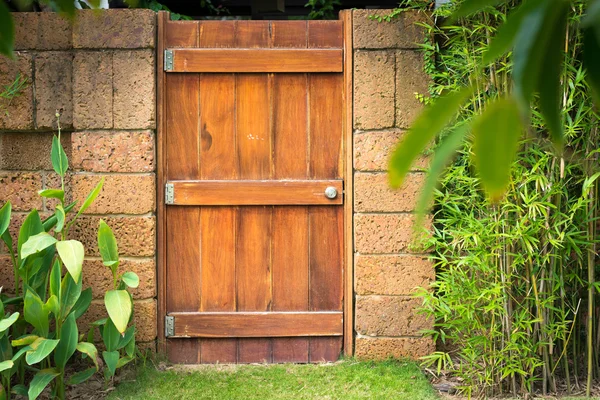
(257, 324)
(257, 60)
(245, 192)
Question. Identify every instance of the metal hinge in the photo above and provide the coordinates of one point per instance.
(169, 193)
(168, 60)
(169, 326)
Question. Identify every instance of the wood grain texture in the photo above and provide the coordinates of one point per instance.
(257, 324)
(325, 34)
(247, 192)
(180, 34)
(257, 60)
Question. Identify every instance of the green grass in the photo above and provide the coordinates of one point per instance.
(344, 380)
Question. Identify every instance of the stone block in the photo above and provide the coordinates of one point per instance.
(389, 316)
(374, 89)
(53, 89)
(113, 151)
(410, 81)
(372, 151)
(136, 236)
(21, 189)
(99, 277)
(92, 90)
(134, 89)
(372, 192)
(42, 31)
(115, 29)
(391, 275)
(402, 32)
(379, 349)
(16, 113)
(387, 233)
(29, 151)
(121, 194)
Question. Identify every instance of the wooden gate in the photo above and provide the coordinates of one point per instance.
(251, 221)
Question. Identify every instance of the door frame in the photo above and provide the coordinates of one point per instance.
(348, 178)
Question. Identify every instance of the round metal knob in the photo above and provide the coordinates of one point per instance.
(331, 192)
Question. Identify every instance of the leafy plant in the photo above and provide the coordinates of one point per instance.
(322, 9)
(42, 337)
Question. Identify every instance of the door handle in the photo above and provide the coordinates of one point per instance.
(331, 192)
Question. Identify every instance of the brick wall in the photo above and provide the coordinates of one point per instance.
(388, 71)
(100, 71)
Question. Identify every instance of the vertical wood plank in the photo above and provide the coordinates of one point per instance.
(217, 34)
(183, 276)
(254, 149)
(290, 246)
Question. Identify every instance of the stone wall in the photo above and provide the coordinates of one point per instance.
(100, 73)
(388, 72)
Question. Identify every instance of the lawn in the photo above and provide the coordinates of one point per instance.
(343, 380)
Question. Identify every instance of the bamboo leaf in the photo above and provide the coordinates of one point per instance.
(429, 123)
(496, 135)
(468, 7)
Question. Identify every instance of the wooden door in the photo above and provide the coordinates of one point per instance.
(253, 167)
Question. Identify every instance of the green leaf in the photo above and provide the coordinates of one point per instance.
(496, 135)
(19, 353)
(89, 350)
(71, 253)
(55, 277)
(60, 163)
(24, 340)
(126, 338)
(107, 244)
(124, 361)
(91, 197)
(591, 60)
(66, 7)
(131, 279)
(32, 225)
(82, 376)
(4, 365)
(7, 239)
(35, 313)
(53, 306)
(549, 79)
(52, 220)
(5, 212)
(19, 389)
(468, 7)
(429, 123)
(592, 15)
(40, 349)
(70, 291)
(7, 31)
(7, 322)
(53, 194)
(118, 305)
(110, 336)
(83, 303)
(40, 381)
(60, 218)
(111, 358)
(37, 243)
(68, 342)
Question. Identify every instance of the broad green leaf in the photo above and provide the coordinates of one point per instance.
(60, 163)
(83, 303)
(89, 350)
(110, 336)
(37, 243)
(82, 376)
(124, 361)
(40, 381)
(32, 225)
(130, 346)
(131, 279)
(19, 389)
(35, 313)
(429, 123)
(468, 7)
(70, 292)
(4, 365)
(24, 340)
(71, 253)
(496, 135)
(549, 79)
(55, 277)
(60, 218)
(5, 217)
(91, 197)
(118, 304)
(107, 245)
(504, 38)
(65, 7)
(591, 60)
(7, 322)
(40, 349)
(7, 31)
(111, 358)
(53, 194)
(52, 220)
(53, 306)
(7, 239)
(126, 338)
(19, 353)
(68, 342)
